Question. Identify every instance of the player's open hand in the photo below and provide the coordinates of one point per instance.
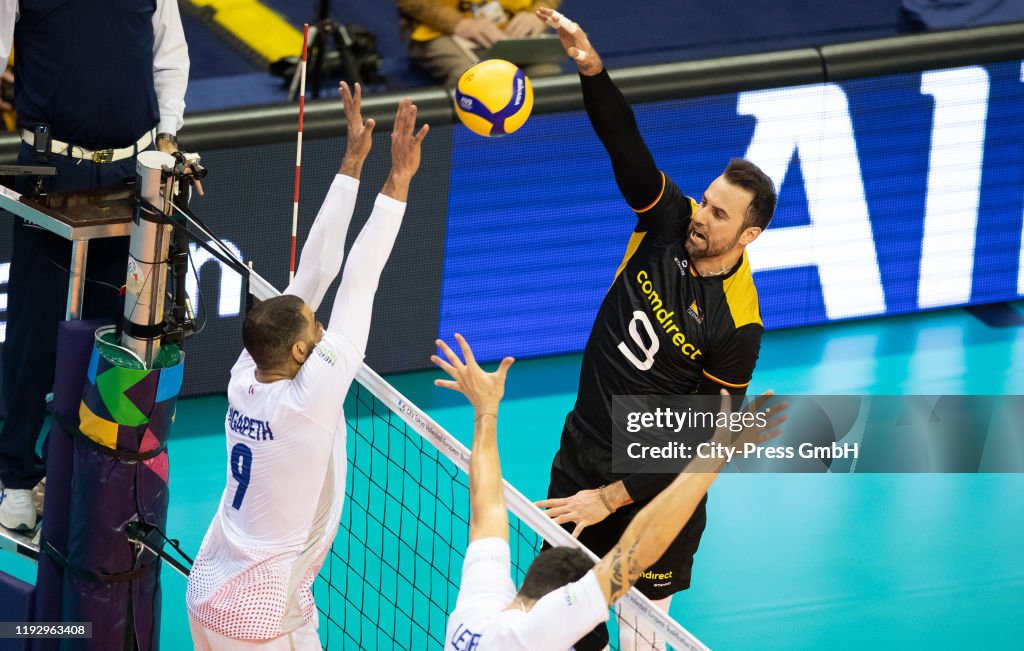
(360, 134)
(574, 40)
(483, 390)
(760, 423)
(584, 508)
(405, 142)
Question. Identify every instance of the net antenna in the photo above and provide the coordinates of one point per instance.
(298, 149)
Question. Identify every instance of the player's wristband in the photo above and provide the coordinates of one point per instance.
(604, 500)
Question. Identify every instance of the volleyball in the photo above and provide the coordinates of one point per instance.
(493, 98)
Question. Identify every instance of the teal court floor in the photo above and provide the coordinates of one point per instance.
(908, 561)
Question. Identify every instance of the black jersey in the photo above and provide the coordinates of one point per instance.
(661, 330)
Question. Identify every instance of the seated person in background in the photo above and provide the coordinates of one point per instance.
(446, 36)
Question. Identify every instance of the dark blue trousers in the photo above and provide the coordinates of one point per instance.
(37, 292)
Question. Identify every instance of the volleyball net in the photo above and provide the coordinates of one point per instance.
(393, 575)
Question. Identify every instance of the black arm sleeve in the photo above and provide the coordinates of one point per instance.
(615, 125)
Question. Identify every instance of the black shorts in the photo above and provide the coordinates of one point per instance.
(670, 573)
(578, 465)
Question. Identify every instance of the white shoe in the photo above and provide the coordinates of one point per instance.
(17, 512)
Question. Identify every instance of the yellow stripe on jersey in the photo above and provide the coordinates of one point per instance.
(724, 383)
(640, 211)
(631, 247)
(256, 26)
(741, 295)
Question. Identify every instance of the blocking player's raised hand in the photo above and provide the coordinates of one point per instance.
(483, 390)
(574, 40)
(359, 133)
(406, 141)
(405, 151)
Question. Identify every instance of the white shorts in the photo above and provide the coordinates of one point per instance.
(302, 639)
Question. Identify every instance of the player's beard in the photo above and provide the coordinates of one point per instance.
(699, 249)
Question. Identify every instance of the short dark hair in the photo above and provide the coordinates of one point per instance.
(553, 568)
(271, 328)
(748, 176)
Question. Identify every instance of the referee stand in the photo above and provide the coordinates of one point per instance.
(114, 397)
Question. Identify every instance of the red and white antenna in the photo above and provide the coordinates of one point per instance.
(298, 147)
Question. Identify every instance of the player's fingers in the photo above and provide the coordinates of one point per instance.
(565, 517)
(578, 530)
(467, 352)
(560, 22)
(448, 384)
(758, 402)
(412, 118)
(503, 368)
(449, 353)
(775, 422)
(422, 133)
(401, 116)
(396, 121)
(370, 124)
(725, 402)
(444, 366)
(357, 97)
(778, 409)
(772, 430)
(557, 510)
(551, 503)
(396, 129)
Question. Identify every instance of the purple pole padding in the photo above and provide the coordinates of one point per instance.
(16, 600)
(115, 585)
(74, 347)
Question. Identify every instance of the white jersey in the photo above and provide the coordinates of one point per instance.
(286, 443)
(481, 621)
(252, 576)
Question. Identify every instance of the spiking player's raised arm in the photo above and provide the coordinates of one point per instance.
(681, 317)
